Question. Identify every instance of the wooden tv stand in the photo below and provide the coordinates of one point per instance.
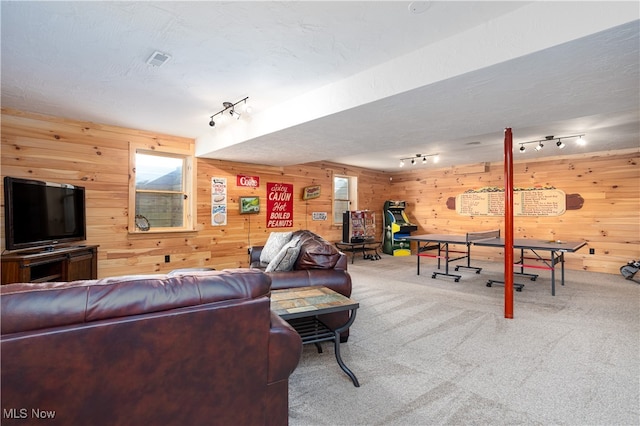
(59, 264)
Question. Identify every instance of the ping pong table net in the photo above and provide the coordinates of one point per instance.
(481, 235)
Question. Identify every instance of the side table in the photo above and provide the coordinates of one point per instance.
(369, 249)
(301, 306)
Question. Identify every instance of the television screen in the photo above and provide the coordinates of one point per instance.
(42, 213)
(398, 217)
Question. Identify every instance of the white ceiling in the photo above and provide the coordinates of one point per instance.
(359, 83)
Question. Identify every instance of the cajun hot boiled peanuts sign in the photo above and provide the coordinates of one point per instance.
(279, 205)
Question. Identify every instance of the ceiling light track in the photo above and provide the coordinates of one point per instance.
(229, 107)
(420, 157)
(550, 139)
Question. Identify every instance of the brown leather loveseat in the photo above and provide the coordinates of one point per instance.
(318, 263)
(201, 349)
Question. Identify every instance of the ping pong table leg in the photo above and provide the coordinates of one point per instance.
(517, 286)
(446, 259)
(532, 277)
(553, 273)
(446, 273)
(418, 256)
(468, 256)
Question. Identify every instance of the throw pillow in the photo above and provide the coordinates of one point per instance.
(317, 253)
(286, 257)
(274, 244)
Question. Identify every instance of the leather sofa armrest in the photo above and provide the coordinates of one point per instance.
(337, 280)
(342, 262)
(285, 349)
(254, 255)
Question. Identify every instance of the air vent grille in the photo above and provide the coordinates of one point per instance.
(158, 59)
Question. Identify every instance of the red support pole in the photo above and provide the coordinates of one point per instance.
(508, 223)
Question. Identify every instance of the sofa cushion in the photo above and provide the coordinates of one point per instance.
(286, 257)
(316, 253)
(274, 244)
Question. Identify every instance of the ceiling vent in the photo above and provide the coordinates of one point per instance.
(158, 59)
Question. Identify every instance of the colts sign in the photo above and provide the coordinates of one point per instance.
(248, 181)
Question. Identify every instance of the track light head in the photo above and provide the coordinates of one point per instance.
(228, 107)
(557, 139)
(424, 157)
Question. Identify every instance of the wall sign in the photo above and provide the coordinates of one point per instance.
(311, 192)
(535, 201)
(319, 216)
(248, 181)
(218, 201)
(279, 205)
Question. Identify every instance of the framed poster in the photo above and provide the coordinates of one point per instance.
(279, 205)
(249, 205)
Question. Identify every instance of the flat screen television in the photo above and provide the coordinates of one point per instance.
(42, 214)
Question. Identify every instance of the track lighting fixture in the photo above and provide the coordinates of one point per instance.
(229, 108)
(413, 160)
(558, 140)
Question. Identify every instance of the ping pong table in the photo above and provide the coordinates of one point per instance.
(556, 249)
(442, 241)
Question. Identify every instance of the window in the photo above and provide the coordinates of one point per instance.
(345, 191)
(161, 194)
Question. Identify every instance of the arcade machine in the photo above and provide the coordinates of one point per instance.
(358, 226)
(396, 228)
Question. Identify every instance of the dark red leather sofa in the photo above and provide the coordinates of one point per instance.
(319, 263)
(199, 349)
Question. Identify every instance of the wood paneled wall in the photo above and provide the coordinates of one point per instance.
(609, 220)
(96, 156)
(229, 243)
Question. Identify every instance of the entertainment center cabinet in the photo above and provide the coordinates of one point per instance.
(59, 264)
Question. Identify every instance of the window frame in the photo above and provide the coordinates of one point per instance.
(352, 197)
(188, 188)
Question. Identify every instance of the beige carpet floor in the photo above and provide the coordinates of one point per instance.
(438, 352)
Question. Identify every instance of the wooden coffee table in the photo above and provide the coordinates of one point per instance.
(301, 307)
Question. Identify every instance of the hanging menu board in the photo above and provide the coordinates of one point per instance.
(526, 202)
(218, 201)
